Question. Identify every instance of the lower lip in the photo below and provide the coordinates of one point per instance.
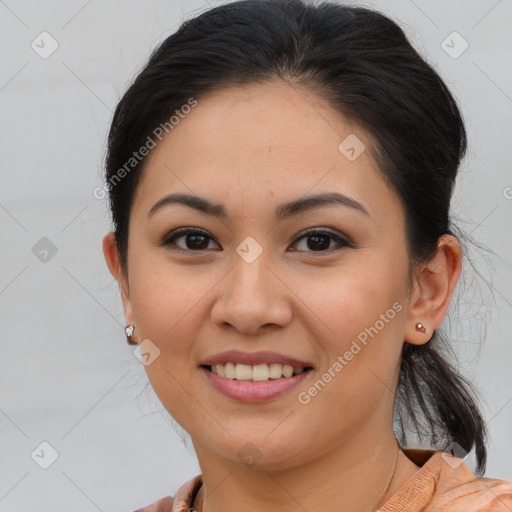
(245, 391)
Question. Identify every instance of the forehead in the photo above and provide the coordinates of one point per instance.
(256, 142)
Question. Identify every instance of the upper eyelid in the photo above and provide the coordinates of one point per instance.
(335, 235)
(322, 231)
(184, 231)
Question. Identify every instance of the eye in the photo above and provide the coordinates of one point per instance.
(320, 241)
(316, 240)
(194, 239)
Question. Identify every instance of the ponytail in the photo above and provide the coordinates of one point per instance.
(430, 384)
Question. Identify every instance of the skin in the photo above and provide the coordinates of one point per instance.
(251, 148)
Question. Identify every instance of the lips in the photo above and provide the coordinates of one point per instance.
(254, 377)
(254, 358)
(253, 391)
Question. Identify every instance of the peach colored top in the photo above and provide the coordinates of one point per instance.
(442, 484)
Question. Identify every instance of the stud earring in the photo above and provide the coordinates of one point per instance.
(420, 327)
(129, 331)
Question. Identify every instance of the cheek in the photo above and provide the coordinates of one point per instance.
(345, 305)
(167, 299)
(357, 326)
(169, 307)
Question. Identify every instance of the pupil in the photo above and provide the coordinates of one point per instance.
(319, 246)
(196, 242)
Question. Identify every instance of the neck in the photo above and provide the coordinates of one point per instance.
(358, 476)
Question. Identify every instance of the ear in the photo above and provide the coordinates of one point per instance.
(433, 286)
(114, 264)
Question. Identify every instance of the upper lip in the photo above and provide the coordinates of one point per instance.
(253, 358)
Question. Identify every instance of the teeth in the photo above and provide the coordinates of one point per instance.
(243, 372)
(258, 372)
(229, 370)
(275, 371)
(287, 370)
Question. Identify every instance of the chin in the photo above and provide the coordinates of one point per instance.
(258, 452)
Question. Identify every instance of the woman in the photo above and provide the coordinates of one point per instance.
(280, 177)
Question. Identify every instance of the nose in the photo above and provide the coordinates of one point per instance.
(251, 298)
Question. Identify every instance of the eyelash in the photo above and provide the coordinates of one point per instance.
(182, 232)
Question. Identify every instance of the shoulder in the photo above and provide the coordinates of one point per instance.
(458, 488)
(479, 495)
(163, 505)
(446, 484)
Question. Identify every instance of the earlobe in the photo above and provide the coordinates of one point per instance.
(434, 286)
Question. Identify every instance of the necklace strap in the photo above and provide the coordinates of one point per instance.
(391, 479)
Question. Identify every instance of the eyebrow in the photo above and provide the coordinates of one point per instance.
(284, 210)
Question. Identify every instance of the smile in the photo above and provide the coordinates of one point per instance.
(254, 376)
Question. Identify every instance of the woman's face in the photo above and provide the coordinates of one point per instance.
(333, 303)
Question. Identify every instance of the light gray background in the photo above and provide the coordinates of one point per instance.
(67, 376)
